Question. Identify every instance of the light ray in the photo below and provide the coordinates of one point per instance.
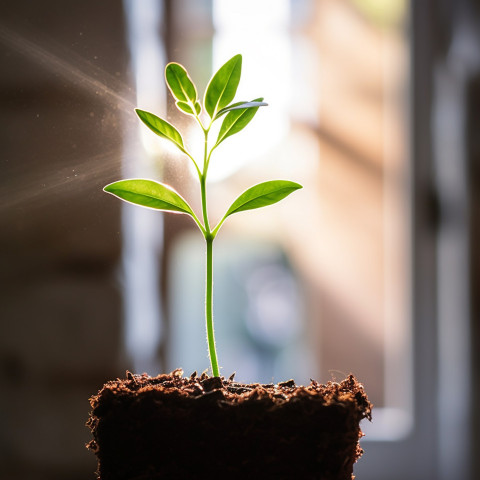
(47, 186)
(77, 70)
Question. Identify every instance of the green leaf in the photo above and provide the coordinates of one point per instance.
(237, 119)
(180, 83)
(151, 194)
(161, 127)
(238, 106)
(198, 108)
(185, 107)
(262, 195)
(222, 87)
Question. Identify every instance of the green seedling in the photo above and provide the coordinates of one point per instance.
(219, 94)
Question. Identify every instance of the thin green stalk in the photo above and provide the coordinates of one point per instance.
(209, 308)
(194, 162)
(203, 187)
(209, 266)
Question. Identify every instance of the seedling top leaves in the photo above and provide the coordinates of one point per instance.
(182, 88)
(223, 86)
(219, 94)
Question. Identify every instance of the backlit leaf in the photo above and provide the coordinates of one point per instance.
(161, 127)
(223, 86)
(185, 107)
(237, 119)
(262, 195)
(198, 108)
(180, 83)
(240, 105)
(149, 193)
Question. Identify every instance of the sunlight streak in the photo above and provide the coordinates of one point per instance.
(77, 70)
(44, 187)
(47, 186)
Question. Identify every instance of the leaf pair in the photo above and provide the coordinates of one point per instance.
(219, 93)
(182, 88)
(151, 194)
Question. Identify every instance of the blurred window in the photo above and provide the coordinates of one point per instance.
(335, 75)
(319, 285)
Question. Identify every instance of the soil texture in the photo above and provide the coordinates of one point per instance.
(176, 427)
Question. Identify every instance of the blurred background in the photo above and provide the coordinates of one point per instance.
(370, 269)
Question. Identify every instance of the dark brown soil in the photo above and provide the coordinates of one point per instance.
(170, 427)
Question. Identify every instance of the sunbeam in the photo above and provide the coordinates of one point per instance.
(46, 187)
(26, 183)
(77, 70)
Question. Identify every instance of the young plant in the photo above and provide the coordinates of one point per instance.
(219, 94)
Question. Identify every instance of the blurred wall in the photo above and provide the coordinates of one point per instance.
(63, 91)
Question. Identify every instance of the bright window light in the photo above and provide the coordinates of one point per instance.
(259, 31)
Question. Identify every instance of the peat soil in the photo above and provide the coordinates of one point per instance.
(176, 427)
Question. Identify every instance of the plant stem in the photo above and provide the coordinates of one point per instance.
(203, 188)
(209, 307)
(209, 265)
